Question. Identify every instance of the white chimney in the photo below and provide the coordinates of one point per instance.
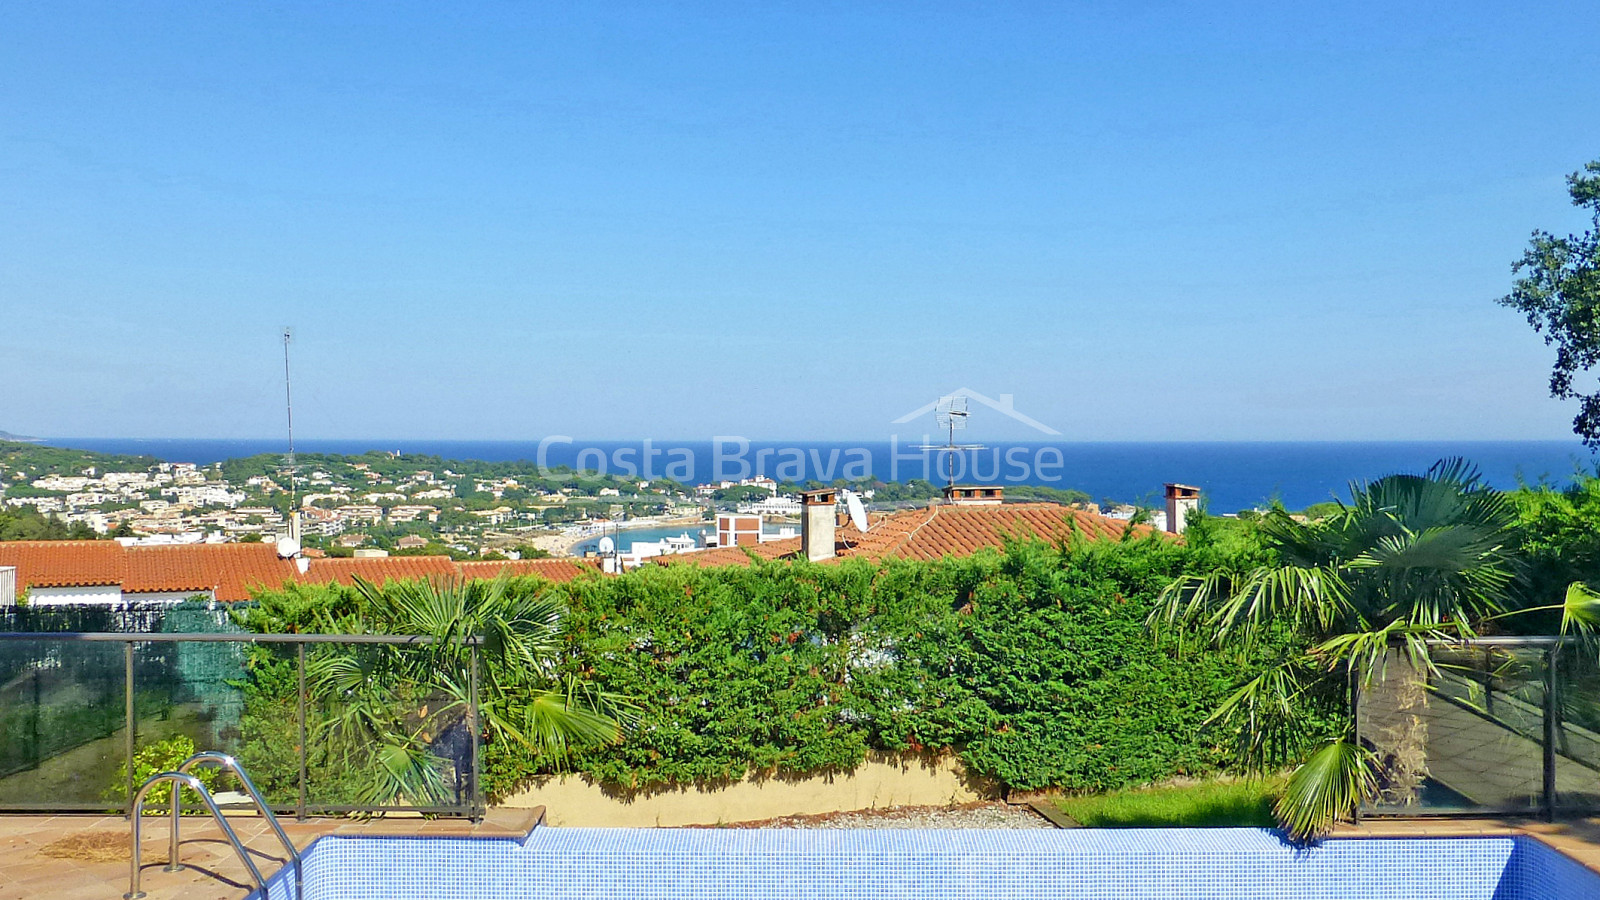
(817, 527)
(1182, 499)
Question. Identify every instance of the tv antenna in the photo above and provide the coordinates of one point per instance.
(951, 414)
(289, 461)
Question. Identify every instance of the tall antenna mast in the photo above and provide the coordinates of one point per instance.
(951, 415)
(288, 408)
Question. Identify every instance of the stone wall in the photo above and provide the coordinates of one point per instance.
(881, 781)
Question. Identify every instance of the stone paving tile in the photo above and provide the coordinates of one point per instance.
(212, 870)
(1577, 838)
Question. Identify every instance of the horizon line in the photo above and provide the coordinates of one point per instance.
(379, 443)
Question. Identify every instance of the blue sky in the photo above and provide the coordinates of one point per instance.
(1145, 221)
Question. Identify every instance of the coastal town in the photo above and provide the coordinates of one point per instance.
(374, 504)
(383, 503)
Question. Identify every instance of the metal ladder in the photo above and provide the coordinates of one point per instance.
(180, 779)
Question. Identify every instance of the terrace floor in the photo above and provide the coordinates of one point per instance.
(1577, 838)
(86, 857)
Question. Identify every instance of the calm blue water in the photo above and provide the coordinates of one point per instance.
(1234, 475)
(626, 538)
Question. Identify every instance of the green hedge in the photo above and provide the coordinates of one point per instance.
(1031, 664)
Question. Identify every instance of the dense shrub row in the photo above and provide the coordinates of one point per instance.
(1032, 664)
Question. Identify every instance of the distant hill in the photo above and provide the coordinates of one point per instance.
(8, 436)
(28, 458)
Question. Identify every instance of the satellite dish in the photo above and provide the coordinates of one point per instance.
(858, 510)
(288, 547)
(606, 546)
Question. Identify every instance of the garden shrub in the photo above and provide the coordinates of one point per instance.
(161, 756)
(1032, 664)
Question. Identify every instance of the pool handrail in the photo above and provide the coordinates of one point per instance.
(226, 761)
(180, 780)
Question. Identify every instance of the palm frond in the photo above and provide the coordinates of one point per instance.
(1266, 717)
(1580, 610)
(1326, 788)
(405, 772)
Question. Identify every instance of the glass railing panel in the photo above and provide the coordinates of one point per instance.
(387, 727)
(1465, 738)
(62, 713)
(1577, 730)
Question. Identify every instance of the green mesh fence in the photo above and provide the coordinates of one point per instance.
(63, 704)
(66, 695)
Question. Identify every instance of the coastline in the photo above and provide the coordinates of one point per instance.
(562, 544)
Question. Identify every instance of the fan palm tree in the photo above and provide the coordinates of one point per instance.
(401, 712)
(1412, 560)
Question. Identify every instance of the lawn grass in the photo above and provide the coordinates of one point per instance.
(1209, 804)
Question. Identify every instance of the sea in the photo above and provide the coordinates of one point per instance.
(1232, 475)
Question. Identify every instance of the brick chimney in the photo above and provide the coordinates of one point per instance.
(817, 527)
(1182, 499)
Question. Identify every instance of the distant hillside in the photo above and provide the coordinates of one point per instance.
(8, 436)
(27, 460)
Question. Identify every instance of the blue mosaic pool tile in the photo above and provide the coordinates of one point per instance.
(677, 864)
(1538, 871)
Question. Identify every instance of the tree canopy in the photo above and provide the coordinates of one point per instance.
(1559, 292)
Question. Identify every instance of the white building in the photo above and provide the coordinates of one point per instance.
(640, 551)
(62, 483)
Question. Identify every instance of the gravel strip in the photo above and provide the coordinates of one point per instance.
(972, 815)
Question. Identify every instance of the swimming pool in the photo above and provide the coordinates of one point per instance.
(679, 864)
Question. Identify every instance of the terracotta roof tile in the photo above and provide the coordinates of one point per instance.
(553, 569)
(377, 569)
(63, 563)
(231, 570)
(733, 556)
(933, 532)
(955, 530)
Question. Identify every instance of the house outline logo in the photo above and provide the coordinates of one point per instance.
(1004, 406)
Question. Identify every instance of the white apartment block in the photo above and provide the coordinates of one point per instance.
(361, 513)
(62, 483)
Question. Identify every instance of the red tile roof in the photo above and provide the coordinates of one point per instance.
(554, 569)
(733, 556)
(232, 571)
(63, 563)
(955, 530)
(933, 532)
(377, 569)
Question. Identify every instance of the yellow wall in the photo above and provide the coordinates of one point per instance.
(880, 781)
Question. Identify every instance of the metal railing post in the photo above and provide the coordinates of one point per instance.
(1549, 762)
(1355, 731)
(36, 745)
(1488, 682)
(474, 794)
(300, 808)
(127, 723)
